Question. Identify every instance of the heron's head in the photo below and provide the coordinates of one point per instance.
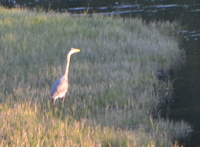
(74, 50)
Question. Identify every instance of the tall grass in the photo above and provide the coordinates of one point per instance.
(112, 92)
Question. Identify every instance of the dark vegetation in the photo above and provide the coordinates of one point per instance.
(56, 4)
(65, 4)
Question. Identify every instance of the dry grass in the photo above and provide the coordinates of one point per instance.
(111, 94)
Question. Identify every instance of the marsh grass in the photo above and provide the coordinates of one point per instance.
(112, 80)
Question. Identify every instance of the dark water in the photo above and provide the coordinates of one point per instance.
(187, 92)
(186, 104)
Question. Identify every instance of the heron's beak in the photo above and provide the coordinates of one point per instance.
(76, 50)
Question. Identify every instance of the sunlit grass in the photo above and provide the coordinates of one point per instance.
(112, 80)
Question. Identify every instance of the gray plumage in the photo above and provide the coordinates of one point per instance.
(60, 87)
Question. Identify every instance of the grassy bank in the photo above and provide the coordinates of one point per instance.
(113, 85)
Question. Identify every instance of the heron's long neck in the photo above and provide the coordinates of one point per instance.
(67, 66)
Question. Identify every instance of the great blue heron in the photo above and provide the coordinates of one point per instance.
(60, 87)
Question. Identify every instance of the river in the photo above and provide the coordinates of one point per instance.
(186, 99)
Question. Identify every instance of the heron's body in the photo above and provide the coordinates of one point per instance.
(60, 87)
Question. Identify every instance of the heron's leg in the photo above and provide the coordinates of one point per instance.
(54, 101)
(63, 99)
(60, 101)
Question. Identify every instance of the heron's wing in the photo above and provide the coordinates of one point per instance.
(54, 87)
(59, 88)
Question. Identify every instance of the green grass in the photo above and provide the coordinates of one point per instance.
(111, 96)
